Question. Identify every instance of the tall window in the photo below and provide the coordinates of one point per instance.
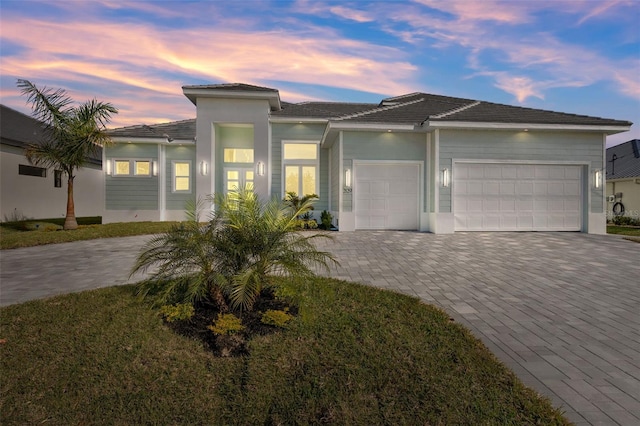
(300, 168)
(182, 176)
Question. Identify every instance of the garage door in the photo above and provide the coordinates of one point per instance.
(386, 195)
(517, 197)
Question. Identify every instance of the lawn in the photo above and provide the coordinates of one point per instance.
(25, 234)
(354, 355)
(632, 233)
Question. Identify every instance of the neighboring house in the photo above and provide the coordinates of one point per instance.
(413, 162)
(623, 179)
(29, 191)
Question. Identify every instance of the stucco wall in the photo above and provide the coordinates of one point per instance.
(37, 198)
(630, 189)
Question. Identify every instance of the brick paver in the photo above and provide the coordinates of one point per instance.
(562, 310)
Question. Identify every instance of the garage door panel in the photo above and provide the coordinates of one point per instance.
(390, 196)
(515, 197)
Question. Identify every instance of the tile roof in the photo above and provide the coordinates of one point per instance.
(416, 108)
(627, 160)
(184, 130)
(20, 130)
(232, 87)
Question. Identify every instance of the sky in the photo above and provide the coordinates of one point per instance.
(577, 56)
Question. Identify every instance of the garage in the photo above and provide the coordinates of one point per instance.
(517, 197)
(386, 195)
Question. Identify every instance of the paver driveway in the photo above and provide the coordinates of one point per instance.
(560, 309)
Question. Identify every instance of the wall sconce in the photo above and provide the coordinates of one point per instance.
(597, 178)
(446, 178)
(347, 178)
(260, 168)
(204, 168)
(107, 167)
(155, 168)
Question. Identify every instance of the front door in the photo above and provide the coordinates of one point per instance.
(238, 177)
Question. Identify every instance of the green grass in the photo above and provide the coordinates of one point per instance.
(14, 235)
(354, 355)
(623, 230)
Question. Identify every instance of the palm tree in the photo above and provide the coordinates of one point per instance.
(72, 134)
(233, 255)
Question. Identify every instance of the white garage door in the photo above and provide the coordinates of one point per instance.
(517, 197)
(386, 195)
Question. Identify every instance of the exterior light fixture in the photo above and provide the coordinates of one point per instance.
(597, 178)
(107, 167)
(155, 168)
(347, 178)
(204, 168)
(260, 168)
(446, 178)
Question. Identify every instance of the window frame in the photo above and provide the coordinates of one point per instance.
(300, 163)
(132, 167)
(174, 177)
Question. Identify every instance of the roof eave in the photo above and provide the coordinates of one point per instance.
(193, 93)
(600, 128)
(337, 126)
(298, 120)
(161, 141)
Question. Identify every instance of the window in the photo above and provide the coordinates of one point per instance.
(181, 176)
(300, 168)
(238, 155)
(142, 168)
(129, 167)
(122, 167)
(23, 169)
(57, 178)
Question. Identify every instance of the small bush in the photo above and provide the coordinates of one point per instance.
(626, 221)
(326, 220)
(177, 312)
(276, 318)
(226, 324)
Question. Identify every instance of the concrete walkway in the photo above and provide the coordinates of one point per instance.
(562, 310)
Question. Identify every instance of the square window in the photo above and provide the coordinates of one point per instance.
(122, 167)
(143, 168)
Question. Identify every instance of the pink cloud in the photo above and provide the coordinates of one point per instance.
(352, 14)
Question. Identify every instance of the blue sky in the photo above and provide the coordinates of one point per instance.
(575, 56)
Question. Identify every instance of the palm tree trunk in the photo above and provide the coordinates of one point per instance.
(70, 220)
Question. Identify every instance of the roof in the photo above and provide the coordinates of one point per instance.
(418, 108)
(627, 160)
(240, 87)
(20, 130)
(183, 130)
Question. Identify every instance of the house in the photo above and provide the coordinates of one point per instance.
(30, 191)
(623, 179)
(412, 162)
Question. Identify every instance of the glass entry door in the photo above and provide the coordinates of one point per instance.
(238, 177)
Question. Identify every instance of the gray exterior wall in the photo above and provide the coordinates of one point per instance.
(298, 132)
(131, 193)
(381, 146)
(336, 171)
(522, 146)
(178, 200)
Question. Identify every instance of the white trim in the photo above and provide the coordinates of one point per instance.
(162, 141)
(341, 125)
(162, 182)
(436, 175)
(297, 120)
(609, 129)
(193, 93)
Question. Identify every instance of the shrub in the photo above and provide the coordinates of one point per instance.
(326, 219)
(277, 318)
(226, 324)
(179, 311)
(626, 220)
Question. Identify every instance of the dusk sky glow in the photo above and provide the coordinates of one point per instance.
(575, 56)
